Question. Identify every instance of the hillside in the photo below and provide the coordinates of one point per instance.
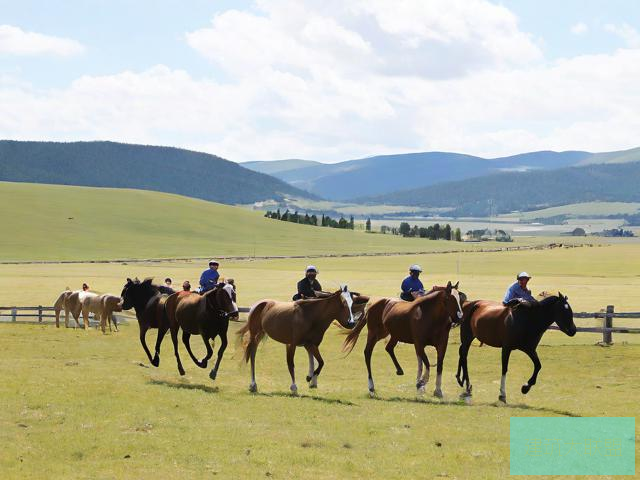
(163, 169)
(521, 191)
(278, 166)
(55, 222)
(383, 174)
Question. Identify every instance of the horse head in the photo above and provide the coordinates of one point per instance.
(359, 304)
(221, 299)
(563, 315)
(346, 299)
(134, 290)
(454, 301)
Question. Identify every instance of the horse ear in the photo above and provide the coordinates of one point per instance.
(128, 281)
(345, 289)
(560, 295)
(148, 280)
(449, 286)
(456, 285)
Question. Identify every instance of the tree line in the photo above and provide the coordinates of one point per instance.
(306, 219)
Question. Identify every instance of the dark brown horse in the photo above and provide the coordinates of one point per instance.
(148, 303)
(425, 321)
(205, 315)
(510, 329)
(302, 323)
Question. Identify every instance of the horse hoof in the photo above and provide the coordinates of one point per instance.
(253, 388)
(525, 388)
(399, 372)
(502, 398)
(156, 361)
(437, 393)
(313, 385)
(420, 389)
(181, 371)
(203, 364)
(372, 393)
(294, 390)
(213, 374)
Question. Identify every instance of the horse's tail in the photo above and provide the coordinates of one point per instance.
(372, 317)
(254, 329)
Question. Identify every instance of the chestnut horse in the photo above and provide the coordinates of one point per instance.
(425, 321)
(102, 306)
(71, 301)
(300, 323)
(148, 303)
(205, 315)
(519, 328)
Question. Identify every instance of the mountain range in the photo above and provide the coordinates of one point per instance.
(384, 174)
(164, 169)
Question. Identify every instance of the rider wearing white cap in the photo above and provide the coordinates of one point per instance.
(518, 290)
(412, 287)
(308, 287)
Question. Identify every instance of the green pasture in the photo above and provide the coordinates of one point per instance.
(577, 209)
(54, 222)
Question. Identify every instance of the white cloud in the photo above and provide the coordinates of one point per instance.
(15, 41)
(332, 81)
(579, 28)
(625, 31)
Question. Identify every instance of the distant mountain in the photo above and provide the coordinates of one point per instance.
(163, 169)
(278, 166)
(512, 191)
(388, 173)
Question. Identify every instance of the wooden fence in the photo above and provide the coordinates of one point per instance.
(42, 314)
(20, 314)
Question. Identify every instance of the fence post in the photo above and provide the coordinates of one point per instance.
(40, 313)
(608, 323)
(14, 314)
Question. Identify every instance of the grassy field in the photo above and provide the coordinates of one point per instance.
(577, 209)
(86, 405)
(53, 222)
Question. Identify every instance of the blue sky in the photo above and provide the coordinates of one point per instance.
(323, 80)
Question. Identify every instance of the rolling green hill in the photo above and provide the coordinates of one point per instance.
(53, 222)
(163, 169)
(520, 191)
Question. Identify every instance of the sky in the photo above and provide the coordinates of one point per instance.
(326, 80)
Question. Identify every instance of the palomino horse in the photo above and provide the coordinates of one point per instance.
(510, 329)
(71, 301)
(102, 306)
(148, 303)
(300, 323)
(205, 315)
(425, 321)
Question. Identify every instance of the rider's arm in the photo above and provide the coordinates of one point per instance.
(508, 295)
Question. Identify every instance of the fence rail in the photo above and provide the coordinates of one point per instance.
(607, 316)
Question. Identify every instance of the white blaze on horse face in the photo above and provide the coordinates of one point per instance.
(456, 295)
(346, 296)
(229, 289)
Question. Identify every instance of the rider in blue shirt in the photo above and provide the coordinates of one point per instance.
(518, 290)
(412, 287)
(209, 277)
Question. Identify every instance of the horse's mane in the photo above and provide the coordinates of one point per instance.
(548, 300)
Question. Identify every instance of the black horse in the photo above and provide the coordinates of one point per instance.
(206, 315)
(148, 302)
(519, 328)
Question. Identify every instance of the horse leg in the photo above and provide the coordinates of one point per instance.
(389, 348)
(291, 350)
(253, 386)
(143, 332)
(162, 330)
(185, 339)
(421, 380)
(372, 339)
(103, 322)
(536, 368)
(441, 350)
(174, 339)
(57, 311)
(463, 366)
(85, 318)
(506, 352)
(223, 346)
(66, 317)
(311, 377)
(316, 353)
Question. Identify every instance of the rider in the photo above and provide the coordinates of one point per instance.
(518, 290)
(186, 288)
(308, 287)
(209, 278)
(412, 287)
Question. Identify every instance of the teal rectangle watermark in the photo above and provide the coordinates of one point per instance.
(572, 446)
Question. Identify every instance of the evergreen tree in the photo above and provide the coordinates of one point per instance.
(351, 223)
(367, 225)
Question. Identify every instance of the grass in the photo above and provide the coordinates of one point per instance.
(86, 405)
(54, 222)
(577, 209)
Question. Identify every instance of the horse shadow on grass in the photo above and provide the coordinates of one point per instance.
(330, 401)
(462, 403)
(185, 386)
